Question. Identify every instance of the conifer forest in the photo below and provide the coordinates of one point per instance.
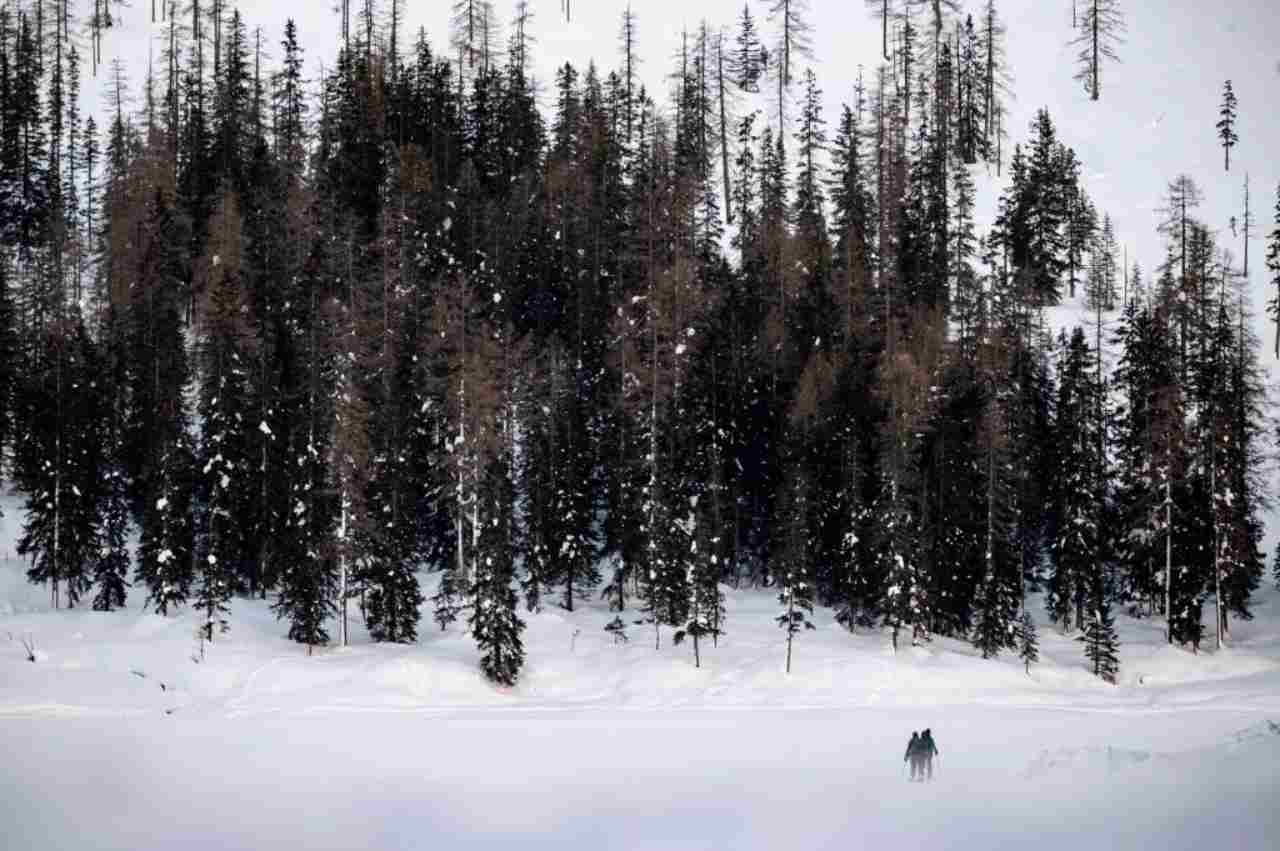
(424, 341)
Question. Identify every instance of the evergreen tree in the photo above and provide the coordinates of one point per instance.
(811, 139)
(1273, 265)
(1028, 645)
(749, 59)
(1077, 546)
(226, 415)
(1227, 124)
(493, 621)
(1100, 644)
(57, 461)
(111, 567)
(1143, 367)
(999, 590)
(307, 579)
(10, 364)
(995, 79)
(795, 572)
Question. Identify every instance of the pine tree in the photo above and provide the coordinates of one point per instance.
(223, 491)
(389, 572)
(1101, 28)
(1143, 367)
(1227, 124)
(1082, 223)
(1028, 644)
(10, 364)
(1236, 427)
(999, 592)
(349, 461)
(493, 621)
(1273, 265)
(111, 567)
(630, 63)
(995, 79)
(165, 545)
(1077, 545)
(811, 141)
(57, 461)
(749, 59)
(1100, 643)
(795, 572)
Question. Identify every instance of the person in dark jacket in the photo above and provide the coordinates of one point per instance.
(914, 751)
(928, 750)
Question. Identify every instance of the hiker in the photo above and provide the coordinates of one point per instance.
(913, 755)
(928, 750)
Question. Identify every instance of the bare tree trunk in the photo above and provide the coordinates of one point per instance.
(1217, 550)
(1168, 547)
(791, 599)
(724, 137)
(342, 569)
(884, 18)
(1248, 226)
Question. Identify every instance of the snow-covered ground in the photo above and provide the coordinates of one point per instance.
(117, 738)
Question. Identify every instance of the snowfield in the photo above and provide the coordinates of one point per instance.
(116, 738)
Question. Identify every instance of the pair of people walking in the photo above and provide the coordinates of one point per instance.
(920, 753)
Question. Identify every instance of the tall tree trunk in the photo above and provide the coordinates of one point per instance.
(1097, 84)
(724, 137)
(1168, 547)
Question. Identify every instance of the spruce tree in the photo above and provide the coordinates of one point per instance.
(795, 571)
(999, 586)
(111, 567)
(165, 544)
(494, 623)
(1144, 366)
(10, 364)
(1028, 644)
(1100, 642)
(1273, 266)
(1227, 124)
(226, 411)
(1077, 546)
(57, 461)
(995, 79)
(749, 58)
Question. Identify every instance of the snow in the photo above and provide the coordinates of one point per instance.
(619, 745)
(624, 746)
